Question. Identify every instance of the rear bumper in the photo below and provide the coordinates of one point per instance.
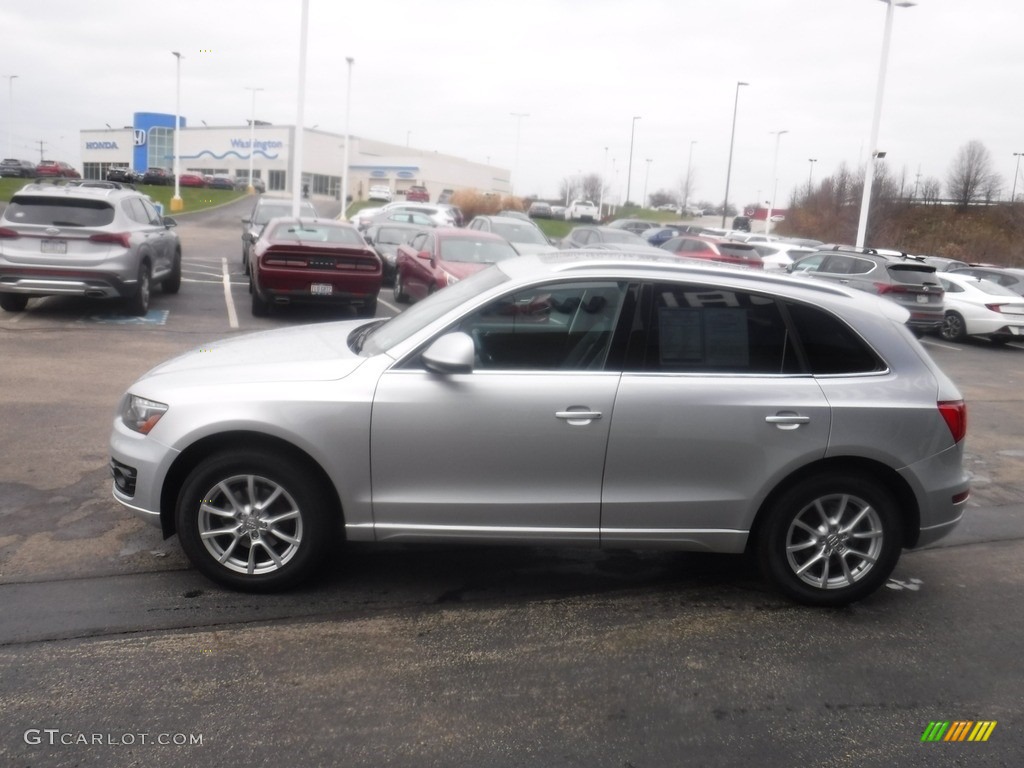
(41, 282)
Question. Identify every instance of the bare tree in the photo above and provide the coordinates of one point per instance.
(931, 189)
(971, 177)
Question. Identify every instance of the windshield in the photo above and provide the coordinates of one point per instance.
(267, 212)
(518, 233)
(476, 251)
(394, 235)
(423, 313)
(624, 236)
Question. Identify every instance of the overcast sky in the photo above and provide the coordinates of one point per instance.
(447, 75)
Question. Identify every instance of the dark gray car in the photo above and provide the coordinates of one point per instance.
(268, 208)
(909, 282)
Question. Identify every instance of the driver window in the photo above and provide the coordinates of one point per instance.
(565, 326)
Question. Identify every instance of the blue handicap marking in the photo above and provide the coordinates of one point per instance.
(153, 317)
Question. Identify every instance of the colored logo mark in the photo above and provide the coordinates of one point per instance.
(959, 730)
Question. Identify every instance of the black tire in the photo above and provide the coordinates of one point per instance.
(296, 526)
(13, 302)
(260, 306)
(399, 289)
(953, 327)
(860, 538)
(138, 304)
(172, 283)
(368, 309)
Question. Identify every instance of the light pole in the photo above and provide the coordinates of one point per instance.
(647, 175)
(732, 140)
(300, 125)
(176, 201)
(1016, 173)
(811, 161)
(775, 182)
(348, 139)
(869, 172)
(515, 167)
(10, 128)
(629, 168)
(604, 174)
(252, 137)
(686, 189)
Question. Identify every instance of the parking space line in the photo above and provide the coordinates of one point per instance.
(392, 307)
(232, 315)
(932, 343)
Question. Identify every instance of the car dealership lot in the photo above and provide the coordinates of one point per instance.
(465, 656)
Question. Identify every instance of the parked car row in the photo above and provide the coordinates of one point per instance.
(26, 169)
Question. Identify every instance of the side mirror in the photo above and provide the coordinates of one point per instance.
(169, 222)
(451, 353)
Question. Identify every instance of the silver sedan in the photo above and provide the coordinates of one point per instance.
(590, 399)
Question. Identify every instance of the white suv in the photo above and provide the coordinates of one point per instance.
(101, 241)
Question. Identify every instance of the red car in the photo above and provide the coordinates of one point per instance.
(191, 180)
(715, 249)
(439, 257)
(417, 195)
(57, 168)
(313, 261)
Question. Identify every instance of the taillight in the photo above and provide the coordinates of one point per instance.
(955, 414)
(5, 232)
(994, 307)
(113, 238)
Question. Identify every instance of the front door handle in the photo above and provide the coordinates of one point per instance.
(788, 420)
(578, 418)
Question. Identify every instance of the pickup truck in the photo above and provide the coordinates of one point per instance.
(582, 210)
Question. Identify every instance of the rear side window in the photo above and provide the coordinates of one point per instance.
(830, 345)
(59, 212)
(912, 274)
(697, 329)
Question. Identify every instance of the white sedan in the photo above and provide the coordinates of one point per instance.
(977, 307)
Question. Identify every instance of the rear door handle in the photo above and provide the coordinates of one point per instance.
(788, 421)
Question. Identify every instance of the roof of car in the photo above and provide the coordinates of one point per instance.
(93, 189)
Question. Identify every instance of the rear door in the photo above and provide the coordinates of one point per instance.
(713, 409)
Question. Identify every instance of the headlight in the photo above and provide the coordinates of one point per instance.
(141, 414)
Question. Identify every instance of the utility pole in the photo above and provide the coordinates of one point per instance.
(41, 143)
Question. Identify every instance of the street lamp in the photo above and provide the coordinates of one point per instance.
(869, 173)
(348, 139)
(686, 190)
(775, 182)
(300, 108)
(732, 140)
(629, 169)
(10, 129)
(1016, 173)
(252, 136)
(810, 173)
(647, 175)
(176, 202)
(515, 168)
(604, 174)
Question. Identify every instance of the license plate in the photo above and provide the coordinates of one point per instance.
(321, 289)
(922, 299)
(53, 246)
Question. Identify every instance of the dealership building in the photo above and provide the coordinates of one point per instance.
(226, 151)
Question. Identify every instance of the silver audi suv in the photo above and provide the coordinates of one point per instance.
(96, 239)
(576, 398)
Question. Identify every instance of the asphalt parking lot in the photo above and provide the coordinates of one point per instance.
(462, 657)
